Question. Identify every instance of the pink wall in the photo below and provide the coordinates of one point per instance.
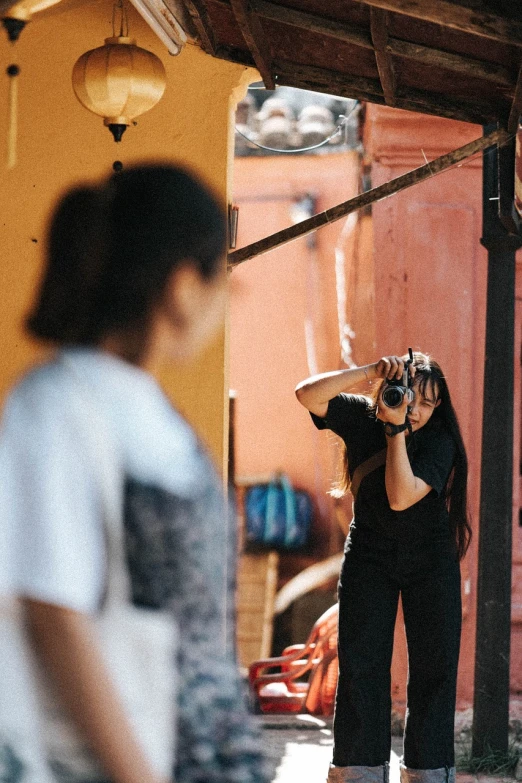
(277, 299)
(430, 292)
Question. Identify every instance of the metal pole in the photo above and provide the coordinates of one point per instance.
(492, 652)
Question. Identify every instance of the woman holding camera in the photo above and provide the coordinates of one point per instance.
(406, 467)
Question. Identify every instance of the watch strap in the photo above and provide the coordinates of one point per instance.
(393, 429)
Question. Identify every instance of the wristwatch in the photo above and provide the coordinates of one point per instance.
(394, 429)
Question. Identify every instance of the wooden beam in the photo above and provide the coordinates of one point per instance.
(199, 16)
(467, 66)
(447, 108)
(315, 24)
(438, 58)
(490, 730)
(379, 31)
(473, 17)
(454, 108)
(420, 174)
(332, 82)
(255, 39)
(233, 55)
(344, 85)
(516, 106)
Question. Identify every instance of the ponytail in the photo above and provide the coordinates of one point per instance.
(78, 244)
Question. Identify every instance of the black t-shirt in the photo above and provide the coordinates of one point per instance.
(431, 452)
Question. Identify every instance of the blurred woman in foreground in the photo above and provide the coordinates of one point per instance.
(112, 509)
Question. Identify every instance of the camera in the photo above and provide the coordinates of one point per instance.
(396, 390)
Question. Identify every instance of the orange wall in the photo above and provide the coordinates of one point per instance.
(59, 142)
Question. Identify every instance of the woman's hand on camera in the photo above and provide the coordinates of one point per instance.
(389, 367)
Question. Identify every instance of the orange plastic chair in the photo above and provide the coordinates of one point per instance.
(285, 690)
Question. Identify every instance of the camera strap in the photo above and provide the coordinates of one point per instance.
(370, 464)
(362, 470)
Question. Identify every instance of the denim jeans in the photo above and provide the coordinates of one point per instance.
(427, 577)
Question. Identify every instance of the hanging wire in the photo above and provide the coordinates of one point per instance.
(339, 129)
(124, 22)
(300, 149)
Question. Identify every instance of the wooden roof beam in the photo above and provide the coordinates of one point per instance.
(475, 18)
(453, 108)
(315, 24)
(331, 82)
(467, 66)
(199, 16)
(344, 85)
(255, 39)
(379, 31)
(333, 214)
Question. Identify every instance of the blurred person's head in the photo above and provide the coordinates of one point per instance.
(135, 265)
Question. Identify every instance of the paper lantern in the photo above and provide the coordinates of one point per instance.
(118, 81)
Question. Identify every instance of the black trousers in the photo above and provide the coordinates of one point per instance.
(372, 578)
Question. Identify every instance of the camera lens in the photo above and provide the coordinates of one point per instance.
(393, 396)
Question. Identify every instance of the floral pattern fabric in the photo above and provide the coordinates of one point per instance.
(181, 555)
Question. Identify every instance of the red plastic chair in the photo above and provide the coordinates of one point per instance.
(284, 690)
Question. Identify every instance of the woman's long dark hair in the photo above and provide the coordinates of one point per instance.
(112, 248)
(430, 378)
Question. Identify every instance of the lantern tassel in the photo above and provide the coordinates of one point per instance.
(12, 128)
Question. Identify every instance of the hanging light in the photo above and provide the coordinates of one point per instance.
(118, 81)
(15, 15)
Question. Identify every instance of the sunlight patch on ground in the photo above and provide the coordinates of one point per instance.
(394, 767)
(304, 762)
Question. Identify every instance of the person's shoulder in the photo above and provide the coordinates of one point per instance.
(356, 402)
(347, 412)
(357, 407)
(40, 386)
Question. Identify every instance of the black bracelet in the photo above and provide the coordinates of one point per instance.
(393, 429)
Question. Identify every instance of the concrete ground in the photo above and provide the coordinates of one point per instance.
(301, 748)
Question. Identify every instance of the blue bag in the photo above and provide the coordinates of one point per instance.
(276, 515)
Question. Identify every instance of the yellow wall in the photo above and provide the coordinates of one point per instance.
(60, 142)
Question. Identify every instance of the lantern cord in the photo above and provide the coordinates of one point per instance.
(124, 22)
(12, 128)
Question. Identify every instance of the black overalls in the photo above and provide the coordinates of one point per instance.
(390, 553)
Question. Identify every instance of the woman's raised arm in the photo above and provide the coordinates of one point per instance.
(316, 392)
